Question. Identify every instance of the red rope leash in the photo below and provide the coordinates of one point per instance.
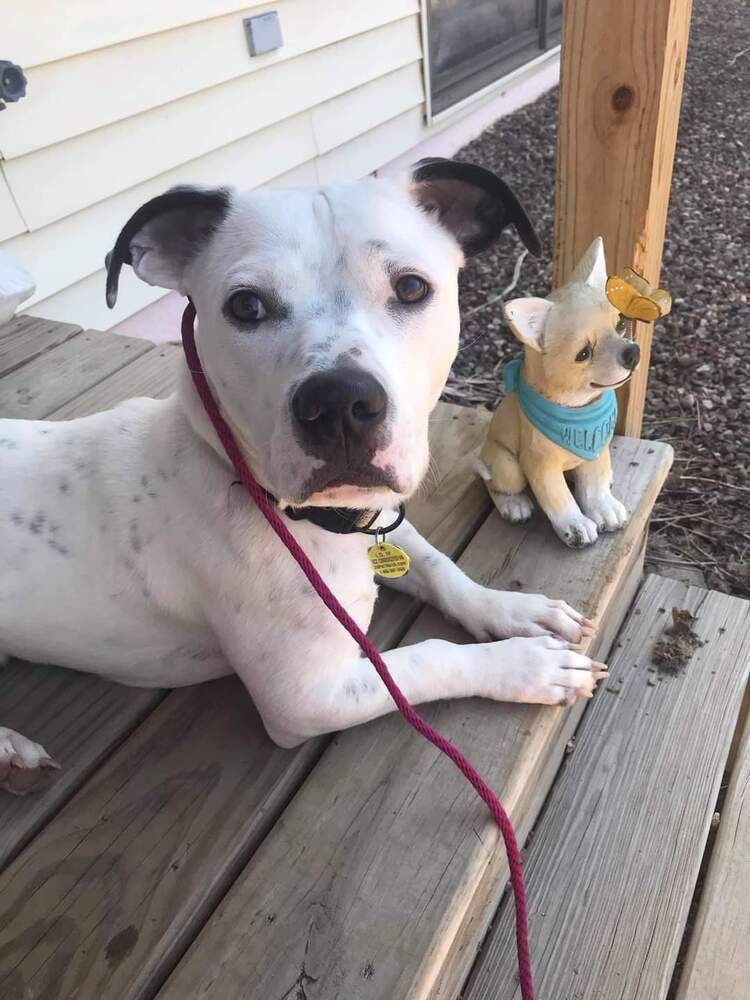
(271, 514)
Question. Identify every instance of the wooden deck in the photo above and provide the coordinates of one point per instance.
(179, 854)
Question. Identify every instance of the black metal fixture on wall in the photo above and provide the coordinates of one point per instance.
(12, 83)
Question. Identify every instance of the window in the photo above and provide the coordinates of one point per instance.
(472, 43)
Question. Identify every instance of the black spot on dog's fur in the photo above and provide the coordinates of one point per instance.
(36, 524)
(146, 484)
(16, 518)
(136, 541)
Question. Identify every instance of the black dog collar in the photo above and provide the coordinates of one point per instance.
(344, 521)
(339, 520)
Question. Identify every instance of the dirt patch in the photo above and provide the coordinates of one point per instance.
(678, 643)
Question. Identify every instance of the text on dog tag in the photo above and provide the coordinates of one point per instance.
(389, 560)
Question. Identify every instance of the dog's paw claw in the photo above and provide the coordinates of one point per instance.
(577, 532)
(542, 670)
(607, 512)
(24, 765)
(514, 507)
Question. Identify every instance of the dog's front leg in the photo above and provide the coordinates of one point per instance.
(594, 491)
(335, 696)
(558, 503)
(485, 614)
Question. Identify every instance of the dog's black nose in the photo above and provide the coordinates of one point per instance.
(631, 355)
(343, 403)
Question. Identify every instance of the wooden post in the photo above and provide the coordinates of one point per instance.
(623, 63)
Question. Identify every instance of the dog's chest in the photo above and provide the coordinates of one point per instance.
(272, 598)
(269, 621)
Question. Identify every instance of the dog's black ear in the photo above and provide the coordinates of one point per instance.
(164, 234)
(473, 203)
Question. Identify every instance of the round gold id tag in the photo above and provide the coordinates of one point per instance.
(388, 560)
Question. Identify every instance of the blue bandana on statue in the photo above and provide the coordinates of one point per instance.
(583, 430)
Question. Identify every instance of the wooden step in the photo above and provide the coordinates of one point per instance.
(717, 965)
(43, 384)
(380, 878)
(614, 860)
(27, 337)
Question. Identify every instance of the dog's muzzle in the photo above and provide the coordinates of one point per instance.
(340, 410)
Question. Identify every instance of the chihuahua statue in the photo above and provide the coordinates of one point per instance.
(560, 407)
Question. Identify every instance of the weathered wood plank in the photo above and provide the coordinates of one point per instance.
(27, 337)
(79, 718)
(367, 886)
(613, 862)
(45, 384)
(194, 788)
(619, 110)
(152, 374)
(717, 965)
(473, 926)
(120, 880)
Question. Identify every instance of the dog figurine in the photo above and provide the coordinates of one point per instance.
(327, 324)
(560, 408)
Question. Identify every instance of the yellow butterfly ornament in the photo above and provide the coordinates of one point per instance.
(632, 296)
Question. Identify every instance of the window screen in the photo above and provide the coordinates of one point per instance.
(474, 42)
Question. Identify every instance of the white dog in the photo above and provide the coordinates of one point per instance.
(328, 322)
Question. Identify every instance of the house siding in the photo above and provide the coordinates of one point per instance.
(125, 103)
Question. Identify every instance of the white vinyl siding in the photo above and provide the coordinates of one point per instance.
(126, 100)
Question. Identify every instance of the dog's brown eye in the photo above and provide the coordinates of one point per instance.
(584, 354)
(621, 325)
(410, 288)
(247, 307)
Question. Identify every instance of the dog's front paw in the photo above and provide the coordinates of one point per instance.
(24, 765)
(577, 531)
(514, 507)
(606, 512)
(496, 614)
(542, 671)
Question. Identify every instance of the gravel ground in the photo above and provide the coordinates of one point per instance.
(700, 366)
